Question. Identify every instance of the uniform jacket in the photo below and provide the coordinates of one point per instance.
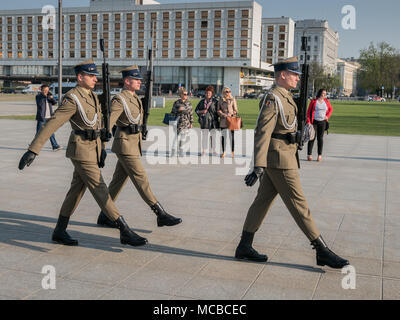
(270, 152)
(185, 116)
(208, 120)
(225, 107)
(124, 143)
(311, 110)
(78, 148)
(41, 106)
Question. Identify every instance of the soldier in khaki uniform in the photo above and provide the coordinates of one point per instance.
(276, 164)
(127, 113)
(81, 107)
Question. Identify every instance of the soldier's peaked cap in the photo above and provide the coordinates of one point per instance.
(289, 64)
(132, 72)
(87, 66)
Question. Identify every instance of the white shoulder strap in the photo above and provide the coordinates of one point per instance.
(128, 111)
(89, 123)
(283, 119)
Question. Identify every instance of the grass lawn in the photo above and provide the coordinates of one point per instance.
(349, 117)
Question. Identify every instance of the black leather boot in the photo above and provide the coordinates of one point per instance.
(103, 220)
(127, 236)
(327, 257)
(163, 218)
(60, 234)
(245, 251)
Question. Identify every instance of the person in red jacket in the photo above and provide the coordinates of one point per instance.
(318, 114)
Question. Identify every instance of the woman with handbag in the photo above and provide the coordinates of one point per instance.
(318, 114)
(227, 107)
(208, 119)
(183, 108)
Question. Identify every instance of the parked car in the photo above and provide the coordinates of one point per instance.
(251, 95)
(375, 98)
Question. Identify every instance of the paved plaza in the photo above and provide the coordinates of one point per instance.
(354, 195)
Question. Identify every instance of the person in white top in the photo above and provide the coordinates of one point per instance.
(318, 114)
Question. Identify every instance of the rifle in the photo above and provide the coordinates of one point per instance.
(303, 99)
(146, 100)
(106, 101)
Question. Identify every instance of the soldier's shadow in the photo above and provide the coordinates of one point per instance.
(17, 229)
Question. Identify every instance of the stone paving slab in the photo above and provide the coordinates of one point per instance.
(354, 196)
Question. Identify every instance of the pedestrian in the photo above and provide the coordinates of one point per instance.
(127, 113)
(87, 152)
(276, 165)
(208, 119)
(184, 110)
(318, 114)
(44, 111)
(227, 107)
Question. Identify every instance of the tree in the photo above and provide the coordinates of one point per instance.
(380, 66)
(322, 78)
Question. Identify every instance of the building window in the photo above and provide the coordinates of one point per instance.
(128, 54)
(204, 34)
(243, 43)
(190, 54)
(178, 25)
(269, 45)
(204, 24)
(231, 33)
(191, 14)
(231, 13)
(245, 23)
(269, 53)
(83, 36)
(270, 36)
(105, 17)
(141, 35)
(217, 34)
(190, 34)
(245, 13)
(165, 15)
(270, 28)
(105, 27)
(231, 23)
(243, 53)
(217, 24)
(177, 53)
(72, 54)
(190, 24)
(203, 44)
(165, 34)
(229, 53)
(216, 44)
(141, 25)
(244, 33)
(166, 25)
(83, 18)
(165, 53)
(94, 17)
(190, 44)
(94, 27)
(229, 44)
(281, 45)
(83, 54)
(117, 45)
(50, 54)
(117, 16)
(117, 36)
(177, 44)
(203, 53)
(178, 34)
(217, 14)
(282, 28)
(72, 19)
(83, 27)
(117, 54)
(140, 54)
(216, 53)
(269, 60)
(129, 35)
(117, 26)
(178, 15)
(282, 37)
(281, 53)
(141, 44)
(165, 44)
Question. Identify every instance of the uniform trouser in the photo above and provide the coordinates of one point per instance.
(286, 183)
(88, 175)
(131, 166)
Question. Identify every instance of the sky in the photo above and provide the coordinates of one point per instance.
(376, 21)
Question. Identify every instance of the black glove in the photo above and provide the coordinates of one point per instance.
(103, 157)
(144, 132)
(26, 159)
(252, 178)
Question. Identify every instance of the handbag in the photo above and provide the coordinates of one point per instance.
(326, 125)
(234, 123)
(308, 133)
(170, 118)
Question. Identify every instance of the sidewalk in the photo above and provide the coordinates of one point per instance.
(354, 195)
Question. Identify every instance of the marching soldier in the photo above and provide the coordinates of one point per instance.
(276, 165)
(81, 107)
(127, 113)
